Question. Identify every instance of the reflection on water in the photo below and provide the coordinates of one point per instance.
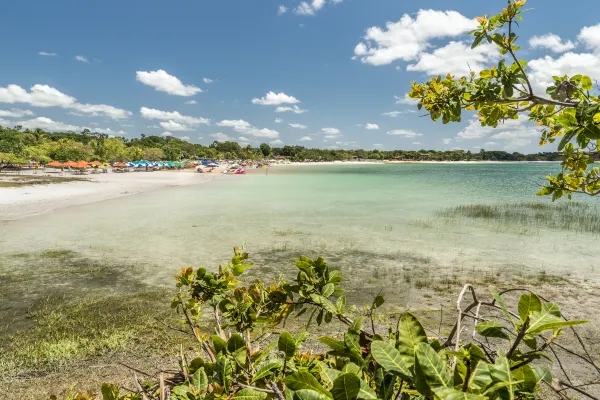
(363, 218)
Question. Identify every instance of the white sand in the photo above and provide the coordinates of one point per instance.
(21, 202)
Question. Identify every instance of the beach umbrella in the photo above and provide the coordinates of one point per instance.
(70, 164)
(81, 165)
(212, 165)
(95, 163)
(119, 165)
(54, 164)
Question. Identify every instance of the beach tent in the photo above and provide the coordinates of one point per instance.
(54, 164)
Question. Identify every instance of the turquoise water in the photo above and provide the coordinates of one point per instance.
(363, 218)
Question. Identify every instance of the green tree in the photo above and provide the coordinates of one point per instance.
(153, 154)
(568, 110)
(265, 149)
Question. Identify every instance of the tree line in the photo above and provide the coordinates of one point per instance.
(17, 146)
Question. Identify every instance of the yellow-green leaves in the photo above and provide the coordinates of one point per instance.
(287, 344)
(389, 358)
(249, 394)
(304, 380)
(528, 304)
(346, 387)
(410, 334)
(431, 370)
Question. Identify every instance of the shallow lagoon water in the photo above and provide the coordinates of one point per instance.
(365, 218)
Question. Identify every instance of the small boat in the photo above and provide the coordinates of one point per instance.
(240, 171)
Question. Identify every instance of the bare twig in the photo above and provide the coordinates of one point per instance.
(139, 387)
(276, 390)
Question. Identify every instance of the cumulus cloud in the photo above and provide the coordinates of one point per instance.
(404, 132)
(221, 137)
(416, 142)
(409, 37)
(282, 9)
(191, 102)
(371, 126)
(590, 35)
(294, 109)
(46, 96)
(184, 138)
(310, 8)
(278, 120)
(163, 82)
(392, 114)
(456, 58)
(43, 53)
(276, 142)
(446, 141)
(207, 80)
(15, 113)
(275, 99)
(305, 139)
(245, 127)
(175, 126)
(81, 59)
(298, 126)
(514, 132)
(150, 113)
(165, 134)
(406, 100)
(48, 125)
(331, 131)
(551, 42)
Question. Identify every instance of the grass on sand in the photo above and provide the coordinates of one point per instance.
(29, 180)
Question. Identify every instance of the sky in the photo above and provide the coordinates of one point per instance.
(316, 73)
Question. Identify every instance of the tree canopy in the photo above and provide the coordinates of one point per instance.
(568, 111)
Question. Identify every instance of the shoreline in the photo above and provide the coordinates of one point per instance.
(27, 201)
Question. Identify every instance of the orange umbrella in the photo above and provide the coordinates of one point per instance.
(54, 164)
(95, 163)
(70, 164)
(119, 165)
(81, 165)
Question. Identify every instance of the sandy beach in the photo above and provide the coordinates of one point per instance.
(21, 202)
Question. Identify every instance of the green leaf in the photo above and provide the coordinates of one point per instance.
(239, 269)
(219, 344)
(528, 304)
(503, 379)
(480, 377)
(200, 380)
(351, 367)
(543, 374)
(502, 305)
(491, 329)
(410, 334)
(389, 358)
(432, 368)
(328, 375)
(334, 344)
(528, 378)
(548, 319)
(586, 83)
(287, 344)
(224, 372)
(453, 394)
(249, 394)
(366, 393)
(308, 394)
(266, 368)
(351, 342)
(357, 325)
(568, 136)
(109, 392)
(258, 357)
(304, 380)
(385, 384)
(328, 289)
(378, 302)
(237, 347)
(346, 387)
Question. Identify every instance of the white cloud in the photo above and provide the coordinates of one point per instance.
(298, 126)
(416, 142)
(377, 145)
(275, 99)
(278, 120)
(408, 37)
(551, 42)
(191, 102)
(404, 132)
(446, 141)
(514, 132)
(175, 126)
(305, 139)
(244, 139)
(163, 82)
(165, 134)
(542, 69)
(46, 96)
(221, 137)
(329, 137)
(185, 138)
(490, 144)
(590, 35)
(175, 116)
(372, 126)
(392, 114)
(245, 127)
(309, 8)
(43, 53)
(107, 131)
(15, 113)
(456, 58)
(48, 125)
(81, 59)
(406, 100)
(331, 131)
(207, 80)
(276, 142)
(294, 109)
(282, 10)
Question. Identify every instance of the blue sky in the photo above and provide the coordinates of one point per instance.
(131, 67)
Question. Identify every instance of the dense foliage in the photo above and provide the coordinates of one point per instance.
(569, 112)
(249, 357)
(21, 147)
